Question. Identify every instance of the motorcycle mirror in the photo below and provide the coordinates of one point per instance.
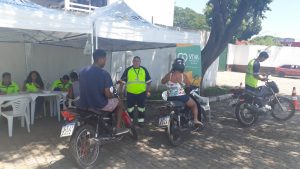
(164, 95)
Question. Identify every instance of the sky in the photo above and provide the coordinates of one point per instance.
(282, 21)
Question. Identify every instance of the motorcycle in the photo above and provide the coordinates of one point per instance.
(249, 105)
(176, 118)
(90, 130)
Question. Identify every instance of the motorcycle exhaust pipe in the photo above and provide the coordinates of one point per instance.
(253, 108)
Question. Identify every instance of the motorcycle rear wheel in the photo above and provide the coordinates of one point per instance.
(284, 114)
(85, 154)
(174, 133)
(245, 116)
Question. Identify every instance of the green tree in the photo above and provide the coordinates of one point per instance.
(266, 40)
(226, 18)
(189, 19)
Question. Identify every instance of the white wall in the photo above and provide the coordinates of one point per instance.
(242, 54)
(13, 60)
(50, 61)
(162, 11)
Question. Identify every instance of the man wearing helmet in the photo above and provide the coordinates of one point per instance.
(176, 81)
(253, 74)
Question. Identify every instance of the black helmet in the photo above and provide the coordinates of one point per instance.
(178, 65)
(263, 55)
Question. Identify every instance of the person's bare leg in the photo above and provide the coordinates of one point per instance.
(193, 106)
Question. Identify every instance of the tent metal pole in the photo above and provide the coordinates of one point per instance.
(92, 41)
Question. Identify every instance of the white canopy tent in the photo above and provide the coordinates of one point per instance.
(121, 28)
(31, 28)
(24, 21)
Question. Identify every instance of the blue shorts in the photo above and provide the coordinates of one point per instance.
(183, 98)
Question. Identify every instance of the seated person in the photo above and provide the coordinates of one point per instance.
(33, 82)
(62, 84)
(7, 86)
(73, 92)
(95, 84)
(175, 81)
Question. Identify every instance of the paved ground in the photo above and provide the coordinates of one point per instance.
(234, 78)
(222, 145)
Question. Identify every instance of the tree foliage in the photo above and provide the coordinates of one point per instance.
(266, 40)
(227, 18)
(189, 19)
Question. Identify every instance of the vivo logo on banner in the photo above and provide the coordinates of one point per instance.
(188, 57)
(22, 3)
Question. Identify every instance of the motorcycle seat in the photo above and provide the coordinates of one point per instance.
(93, 111)
(176, 104)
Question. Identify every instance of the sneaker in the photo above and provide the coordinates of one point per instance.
(120, 131)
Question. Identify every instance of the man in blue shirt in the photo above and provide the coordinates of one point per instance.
(95, 84)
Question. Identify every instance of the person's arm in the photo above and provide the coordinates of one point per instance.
(148, 82)
(256, 73)
(123, 81)
(107, 85)
(166, 78)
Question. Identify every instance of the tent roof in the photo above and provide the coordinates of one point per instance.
(118, 27)
(24, 14)
(119, 21)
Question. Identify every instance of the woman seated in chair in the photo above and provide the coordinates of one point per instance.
(176, 81)
(32, 84)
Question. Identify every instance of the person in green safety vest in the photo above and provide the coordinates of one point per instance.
(33, 82)
(7, 86)
(138, 81)
(62, 84)
(253, 72)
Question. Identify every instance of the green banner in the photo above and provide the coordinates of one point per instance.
(192, 57)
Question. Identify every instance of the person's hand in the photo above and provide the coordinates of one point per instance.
(148, 94)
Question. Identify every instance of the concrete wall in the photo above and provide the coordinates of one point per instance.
(239, 55)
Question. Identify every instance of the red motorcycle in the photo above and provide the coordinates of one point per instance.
(89, 130)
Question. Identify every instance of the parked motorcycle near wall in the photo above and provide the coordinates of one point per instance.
(248, 105)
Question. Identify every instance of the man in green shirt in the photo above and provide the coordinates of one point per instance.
(7, 86)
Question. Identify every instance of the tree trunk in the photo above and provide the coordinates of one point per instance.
(221, 31)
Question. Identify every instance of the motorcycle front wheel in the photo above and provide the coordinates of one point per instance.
(84, 153)
(282, 109)
(174, 133)
(245, 116)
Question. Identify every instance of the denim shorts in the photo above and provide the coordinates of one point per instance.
(183, 98)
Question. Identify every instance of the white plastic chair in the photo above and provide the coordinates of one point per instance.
(72, 101)
(20, 108)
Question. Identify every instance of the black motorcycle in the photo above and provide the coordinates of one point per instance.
(175, 117)
(249, 105)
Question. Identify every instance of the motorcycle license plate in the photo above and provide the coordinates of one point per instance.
(164, 121)
(67, 130)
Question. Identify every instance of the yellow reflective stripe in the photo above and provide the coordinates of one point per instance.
(130, 109)
(140, 109)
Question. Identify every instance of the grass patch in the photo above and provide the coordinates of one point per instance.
(216, 91)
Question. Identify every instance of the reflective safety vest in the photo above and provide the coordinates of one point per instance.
(136, 80)
(31, 87)
(250, 80)
(12, 88)
(59, 85)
